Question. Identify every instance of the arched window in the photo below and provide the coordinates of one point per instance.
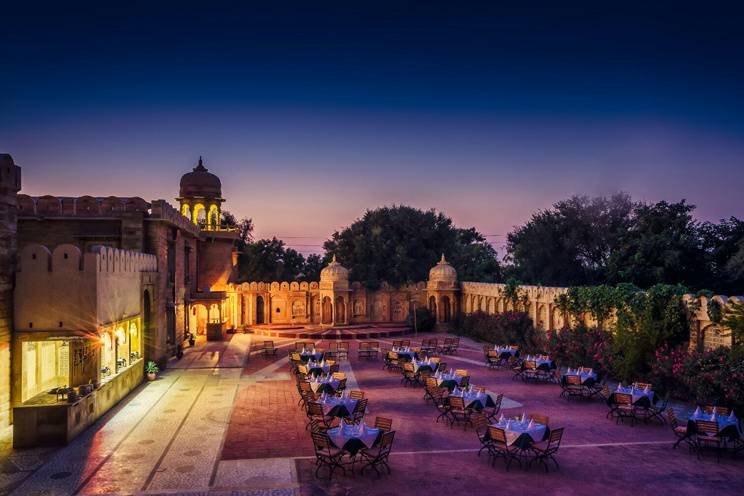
(186, 210)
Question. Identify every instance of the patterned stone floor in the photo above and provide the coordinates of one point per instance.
(224, 420)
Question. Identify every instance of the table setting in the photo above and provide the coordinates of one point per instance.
(474, 399)
(354, 437)
(505, 352)
(643, 397)
(335, 406)
(521, 431)
(426, 364)
(728, 425)
(405, 352)
(318, 367)
(588, 377)
(323, 384)
(448, 380)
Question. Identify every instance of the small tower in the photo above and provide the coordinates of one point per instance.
(200, 197)
(334, 294)
(441, 292)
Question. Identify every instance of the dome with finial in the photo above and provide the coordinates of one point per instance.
(334, 272)
(200, 182)
(443, 272)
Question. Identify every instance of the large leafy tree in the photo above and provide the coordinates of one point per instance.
(270, 260)
(663, 245)
(399, 244)
(572, 242)
(724, 243)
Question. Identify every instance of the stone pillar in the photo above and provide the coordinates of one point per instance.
(10, 184)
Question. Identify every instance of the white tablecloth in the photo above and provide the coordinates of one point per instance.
(329, 402)
(723, 420)
(471, 397)
(311, 365)
(320, 381)
(636, 393)
(344, 433)
(417, 364)
(584, 375)
(513, 429)
(506, 349)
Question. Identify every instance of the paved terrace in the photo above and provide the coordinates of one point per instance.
(224, 420)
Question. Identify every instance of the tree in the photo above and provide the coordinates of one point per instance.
(399, 244)
(724, 245)
(269, 260)
(313, 265)
(662, 246)
(572, 243)
(245, 228)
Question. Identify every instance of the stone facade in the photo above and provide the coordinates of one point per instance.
(545, 313)
(10, 184)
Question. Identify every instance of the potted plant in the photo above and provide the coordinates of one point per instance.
(152, 370)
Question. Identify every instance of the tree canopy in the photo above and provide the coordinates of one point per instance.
(400, 244)
(614, 240)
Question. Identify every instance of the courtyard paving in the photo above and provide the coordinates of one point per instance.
(224, 420)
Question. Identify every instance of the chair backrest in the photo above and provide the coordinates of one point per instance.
(623, 399)
(573, 380)
(672, 418)
(465, 381)
(431, 382)
(480, 422)
(361, 405)
(554, 440)
(305, 386)
(268, 345)
(539, 418)
(461, 372)
(296, 357)
(314, 408)
(374, 345)
(333, 346)
(497, 435)
(339, 376)
(392, 355)
(299, 345)
(406, 342)
(493, 354)
(386, 443)
(435, 360)
(707, 426)
(457, 402)
(356, 395)
(408, 367)
(303, 369)
(497, 402)
(642, 385)
(321, 441)
(530, 364)
(720, 410)
(341, 384)
(343, 345)
(384, 423)
(397, 343)
(364, 346)
(448, 341)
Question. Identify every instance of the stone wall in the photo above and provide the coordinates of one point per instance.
(10, 184)
(542, 308)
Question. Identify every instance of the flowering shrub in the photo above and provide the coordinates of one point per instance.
(713, 377)
(582, 346)
(503, 328)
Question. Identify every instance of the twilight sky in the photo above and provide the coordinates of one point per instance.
(312, 112)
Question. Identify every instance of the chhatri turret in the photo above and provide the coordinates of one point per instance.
(441, 291)
(200, 197)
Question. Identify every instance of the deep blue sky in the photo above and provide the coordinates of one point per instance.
(311, 112)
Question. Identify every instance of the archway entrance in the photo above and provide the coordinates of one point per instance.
(446, 309)
(327, 315)
(433, 306)
(260, 310)
(340, 311)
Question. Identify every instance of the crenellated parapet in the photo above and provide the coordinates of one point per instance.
(80, 206)
(162, 210)
(65, 290)
(68, 258)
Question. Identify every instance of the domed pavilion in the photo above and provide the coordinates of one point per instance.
(200, 197)
(441, 289)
